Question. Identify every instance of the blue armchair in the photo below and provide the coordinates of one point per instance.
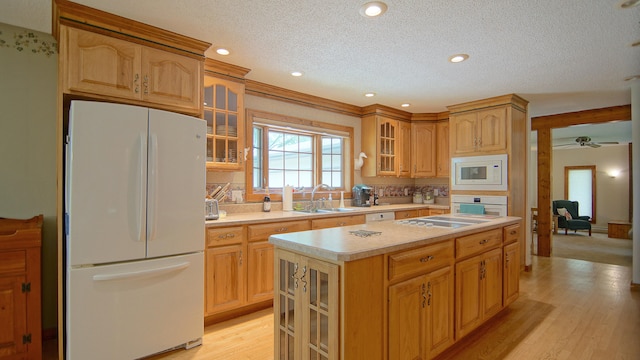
(576, 222)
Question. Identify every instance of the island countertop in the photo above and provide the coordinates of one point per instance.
(342, 244)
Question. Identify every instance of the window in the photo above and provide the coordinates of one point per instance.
(296, 152)
(580, 186)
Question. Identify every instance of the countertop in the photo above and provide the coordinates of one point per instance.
(272, 216)
(339, 244)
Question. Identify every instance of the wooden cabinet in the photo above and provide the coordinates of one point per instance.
(103, 66)
(618, 229)
(405, 214)
(421, 309)
(511, 258)
(20, 288)
(337, 221)
(443, 160)
(260, 267)
(225, 269)
(224, 114)
(424, 144)
(306, 308)
(404, 149)
(390, 141)
(483, 131)
(430, 149)
(478, 290)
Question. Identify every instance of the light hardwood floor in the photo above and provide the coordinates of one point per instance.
(567, 309)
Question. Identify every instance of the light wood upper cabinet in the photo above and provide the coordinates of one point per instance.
(102, 66)
(443, 160)
(390, 141)
(424, 144)
(404, 149)
(482, 131)
(224, 114)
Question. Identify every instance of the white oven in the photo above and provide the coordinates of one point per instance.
(490, 204)
(487, 172)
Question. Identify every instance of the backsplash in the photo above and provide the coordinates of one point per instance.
(390, 193)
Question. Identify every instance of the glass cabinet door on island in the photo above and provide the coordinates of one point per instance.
(306, 304)
(223, 112)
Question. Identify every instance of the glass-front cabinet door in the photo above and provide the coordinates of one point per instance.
(306, 302)
(387, 136)
(224, 114)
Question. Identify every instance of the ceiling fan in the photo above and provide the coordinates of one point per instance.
(583, 141)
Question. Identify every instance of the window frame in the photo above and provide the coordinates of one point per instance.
(301, 125)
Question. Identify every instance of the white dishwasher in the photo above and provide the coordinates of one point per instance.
(383, 216)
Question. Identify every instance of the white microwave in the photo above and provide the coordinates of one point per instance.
(488, 172)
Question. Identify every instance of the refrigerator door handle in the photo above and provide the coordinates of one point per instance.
(141, 187)
(152, 189)
(141, 273)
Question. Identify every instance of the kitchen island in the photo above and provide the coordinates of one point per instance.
(392, 289)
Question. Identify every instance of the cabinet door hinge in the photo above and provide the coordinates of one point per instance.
(26, 287)
(26, 339)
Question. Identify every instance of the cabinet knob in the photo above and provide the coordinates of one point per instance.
(483, 241)
(426, 258)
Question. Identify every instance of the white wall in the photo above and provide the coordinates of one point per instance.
(28, 143)
(612, 194)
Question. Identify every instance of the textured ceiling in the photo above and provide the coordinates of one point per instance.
(562, 56)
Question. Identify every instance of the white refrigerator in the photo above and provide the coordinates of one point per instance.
(134, 231)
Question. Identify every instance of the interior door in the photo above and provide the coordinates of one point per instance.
(176, 190)
(105, 182)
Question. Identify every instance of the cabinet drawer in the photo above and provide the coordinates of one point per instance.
(224, 236)
(420, 260)
(405, 214)
(337, 221)
(263, 231)
(13, 262)
(477, 243)
(511, 233)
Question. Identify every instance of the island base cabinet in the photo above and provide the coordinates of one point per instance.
(306, 308)
(421, 316)
(478, 290)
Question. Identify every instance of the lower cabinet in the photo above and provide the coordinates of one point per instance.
(421, 315)
(511, 276)
(478, 290)
(306, 308)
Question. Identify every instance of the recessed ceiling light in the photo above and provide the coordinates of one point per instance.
(405, 105)
(629, 3)
(222, 51)
(296, 73)
(458, 58)
(370, 94)
(373, 9)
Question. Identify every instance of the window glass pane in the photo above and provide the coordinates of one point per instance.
(336, 162)
(306, 162)
(580, 190)
(326, 162)
(306, 144)
(336, 146)
(306, 178)
(291, 178)
(276, 178)
(326, 178)
(291, 161)
(276, 141)
(290, 142)
(276, 161)
(336, 180)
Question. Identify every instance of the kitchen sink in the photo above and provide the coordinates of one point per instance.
(326, 211)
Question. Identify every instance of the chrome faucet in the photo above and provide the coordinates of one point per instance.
(313, 193)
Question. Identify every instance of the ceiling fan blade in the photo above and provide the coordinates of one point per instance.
(593, 145)
(607, 142)
(563, 145)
